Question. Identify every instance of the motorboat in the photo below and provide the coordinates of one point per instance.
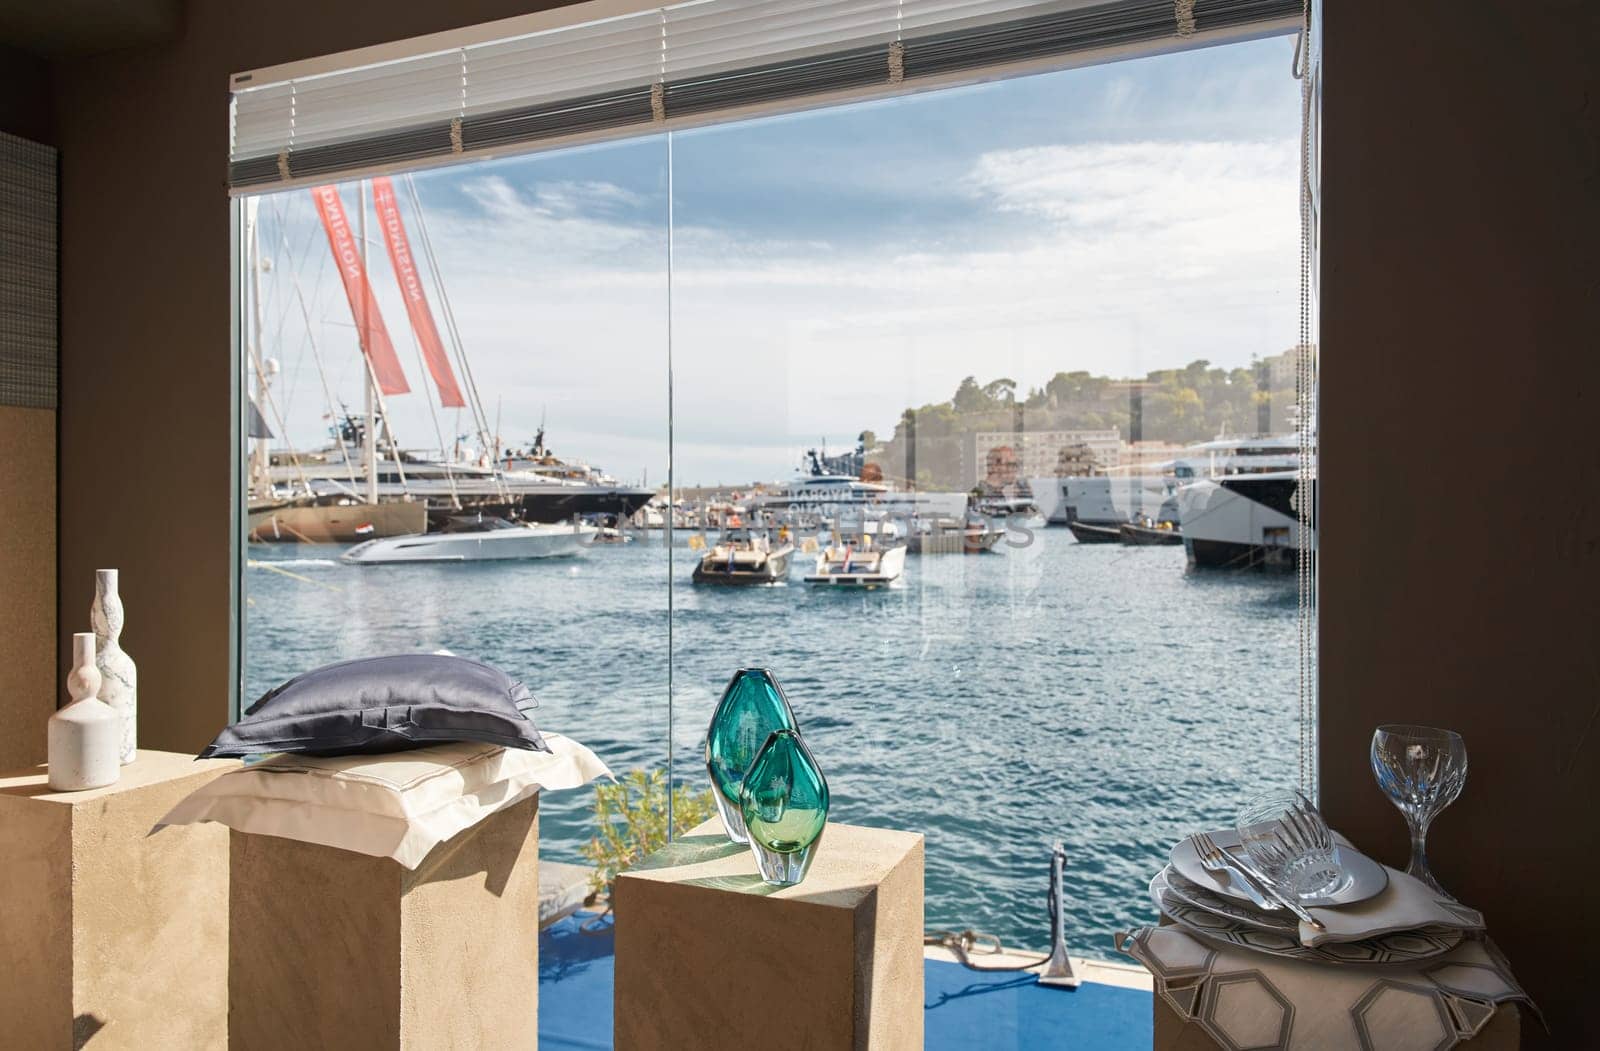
(745, 557)
(1145, 533)
(861, 562)
(1094, 533)
(477, 538)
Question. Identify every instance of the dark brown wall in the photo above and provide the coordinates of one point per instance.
(26, 110)
(145, 345)
(1460, 439)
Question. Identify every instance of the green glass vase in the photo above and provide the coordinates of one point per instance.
(784, 800)
(752, 707)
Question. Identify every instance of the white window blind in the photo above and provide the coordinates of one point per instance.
(689, 60)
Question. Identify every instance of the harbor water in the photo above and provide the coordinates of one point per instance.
(1105, 696)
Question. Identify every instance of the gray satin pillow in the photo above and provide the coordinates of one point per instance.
(384, 704)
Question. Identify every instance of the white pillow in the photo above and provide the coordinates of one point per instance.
(398, 805)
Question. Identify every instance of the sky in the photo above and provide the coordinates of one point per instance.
(828, 269)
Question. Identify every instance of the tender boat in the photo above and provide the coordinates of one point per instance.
(1151, 534)
(859, 563)
(950, 536)
(476, 538)
(745, 558)
(1091, 533)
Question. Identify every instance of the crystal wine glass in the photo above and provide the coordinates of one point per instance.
(1421, 769)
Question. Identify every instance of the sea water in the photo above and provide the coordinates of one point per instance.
(1105, 696)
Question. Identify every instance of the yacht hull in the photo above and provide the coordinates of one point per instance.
(523, 542)
(1090, 533)
(1243, 522)
(335, 523)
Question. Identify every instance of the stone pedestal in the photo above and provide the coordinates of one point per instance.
(335, 949)
(709, 957)
(108, 932)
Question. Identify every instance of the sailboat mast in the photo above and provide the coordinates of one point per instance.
(369, 437)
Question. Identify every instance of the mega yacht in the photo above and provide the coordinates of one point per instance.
(820, 494)
(1238, 501)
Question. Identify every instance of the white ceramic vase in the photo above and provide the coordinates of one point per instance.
(85, 737)
(119, 679)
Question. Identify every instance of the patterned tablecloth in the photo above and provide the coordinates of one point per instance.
(1245, 999)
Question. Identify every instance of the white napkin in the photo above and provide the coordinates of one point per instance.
(1406, 903)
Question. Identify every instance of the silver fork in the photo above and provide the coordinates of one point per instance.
(1215, 859)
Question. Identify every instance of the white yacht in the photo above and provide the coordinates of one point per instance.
(1238, 501)
(1107, 499)
(476, 538)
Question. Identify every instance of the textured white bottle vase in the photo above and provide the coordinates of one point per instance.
(85, 737)
(119, 679)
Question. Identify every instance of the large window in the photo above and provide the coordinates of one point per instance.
(1004, 321)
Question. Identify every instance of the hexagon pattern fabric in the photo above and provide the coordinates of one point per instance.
(1246, 999)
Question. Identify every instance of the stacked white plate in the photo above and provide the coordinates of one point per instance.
(1374, 914)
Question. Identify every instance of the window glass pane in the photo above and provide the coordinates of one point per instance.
(554, 275)
(1033, 299)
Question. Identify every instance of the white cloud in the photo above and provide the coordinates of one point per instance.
(1128, 257)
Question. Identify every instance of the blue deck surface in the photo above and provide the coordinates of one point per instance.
(964, 1009)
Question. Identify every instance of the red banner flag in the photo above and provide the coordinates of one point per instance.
(405, 271)
(363, 304)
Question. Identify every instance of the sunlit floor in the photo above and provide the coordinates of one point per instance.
(964, 1008)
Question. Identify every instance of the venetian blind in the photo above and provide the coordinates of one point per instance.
(686, 61)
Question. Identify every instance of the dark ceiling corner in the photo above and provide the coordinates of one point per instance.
(62, 29)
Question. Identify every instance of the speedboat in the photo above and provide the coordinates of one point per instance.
(744, 557)
(476, 538)
(858, 563)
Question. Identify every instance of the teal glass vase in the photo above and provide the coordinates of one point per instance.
(752, 707)
(784, 800)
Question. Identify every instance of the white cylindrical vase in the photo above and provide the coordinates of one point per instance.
(85, 737)
(119, 679)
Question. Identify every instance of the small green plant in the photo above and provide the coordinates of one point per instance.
(631, 821)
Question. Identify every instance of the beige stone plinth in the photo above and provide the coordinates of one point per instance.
(106, 931)
(340, 950)
(709, 957)
(1174, 1033)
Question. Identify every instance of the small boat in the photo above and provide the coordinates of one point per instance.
(1090, 533)
(745, 558)
(476, 538)
(1150, 534)
(949, 536)
(858, 563)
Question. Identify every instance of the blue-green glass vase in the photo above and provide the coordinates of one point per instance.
(752, 707)
(785, 804)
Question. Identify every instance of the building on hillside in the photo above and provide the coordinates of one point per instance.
(996, 458)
